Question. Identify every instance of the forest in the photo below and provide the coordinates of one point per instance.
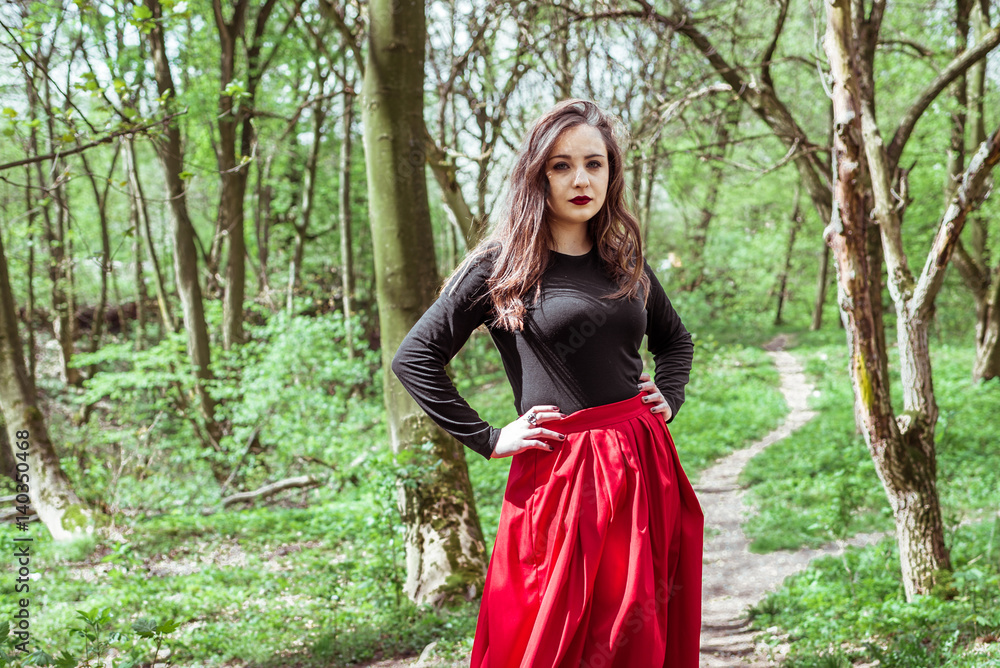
(219, 220)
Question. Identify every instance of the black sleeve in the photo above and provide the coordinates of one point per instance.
(670, 344)
(433, 341)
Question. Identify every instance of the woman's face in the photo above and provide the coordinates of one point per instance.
(578, 171)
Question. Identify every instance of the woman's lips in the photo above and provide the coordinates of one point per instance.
(580, 200)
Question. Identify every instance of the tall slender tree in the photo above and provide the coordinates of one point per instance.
(171, 153)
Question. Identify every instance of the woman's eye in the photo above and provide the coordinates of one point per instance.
(595, 163)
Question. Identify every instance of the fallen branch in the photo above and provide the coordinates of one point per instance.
(304, 481)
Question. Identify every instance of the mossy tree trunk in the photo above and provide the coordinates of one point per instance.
(35, 460)
(445, 551)
(901, 443)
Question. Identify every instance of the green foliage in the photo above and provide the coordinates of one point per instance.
(92, 643)
(854, 609)
(820, 483)
(289, 399)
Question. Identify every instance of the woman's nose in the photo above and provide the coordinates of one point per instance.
(581, 178)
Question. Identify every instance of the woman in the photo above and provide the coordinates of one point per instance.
(597, 559)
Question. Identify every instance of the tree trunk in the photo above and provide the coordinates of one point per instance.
(987, 363)
(171, 152)
(985, 284)
(902, 446)
(139, 277)
(444, 542)
(30, 306)
(783, 278)
(101, 199)
(40, 475)
(346, 252)
(822, 281)
(233, 175)
(53, 230)
(139, 201)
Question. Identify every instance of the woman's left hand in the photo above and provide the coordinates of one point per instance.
(654, 399)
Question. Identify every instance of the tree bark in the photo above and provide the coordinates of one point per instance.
(48, 488)
(973, 265)
(29, 206)
(171, 153)
(101, 200)
(902, 446)
(139, 200)
(444, 542)
(53, 230)
(783, 278)
(822, 280)
(346, 250)
(233, 175)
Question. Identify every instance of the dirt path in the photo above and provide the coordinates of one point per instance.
(734, 578)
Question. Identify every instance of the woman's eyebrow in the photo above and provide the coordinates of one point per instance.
(592, 155)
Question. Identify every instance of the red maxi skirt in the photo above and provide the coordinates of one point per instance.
(597, 559)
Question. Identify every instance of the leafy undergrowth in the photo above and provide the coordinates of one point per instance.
(318, 581)
(852, 610)
(272, 587)
(820, 484)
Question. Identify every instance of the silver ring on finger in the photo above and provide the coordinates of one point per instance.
(532, 418)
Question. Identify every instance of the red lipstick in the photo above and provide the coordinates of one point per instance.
(582, 199)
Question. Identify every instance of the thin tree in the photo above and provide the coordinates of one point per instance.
(171, 153)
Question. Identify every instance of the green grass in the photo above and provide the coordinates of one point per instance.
(269, 587)
(820, 484)
(848, 610)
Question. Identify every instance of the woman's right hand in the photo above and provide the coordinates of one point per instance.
(521, 435)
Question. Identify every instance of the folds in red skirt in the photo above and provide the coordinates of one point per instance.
(597, 559)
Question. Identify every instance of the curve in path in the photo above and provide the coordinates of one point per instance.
(734, 578)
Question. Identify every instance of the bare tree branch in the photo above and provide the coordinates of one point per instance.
(955, 69)
(970, 193)
(83, 147)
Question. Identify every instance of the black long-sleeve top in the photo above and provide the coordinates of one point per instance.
(576, 350)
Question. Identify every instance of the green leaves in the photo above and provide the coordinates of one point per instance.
(142, 18)
(146, 627)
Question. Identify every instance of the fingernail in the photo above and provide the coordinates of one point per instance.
(562, 437)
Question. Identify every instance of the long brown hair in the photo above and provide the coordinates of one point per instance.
(521, 236)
